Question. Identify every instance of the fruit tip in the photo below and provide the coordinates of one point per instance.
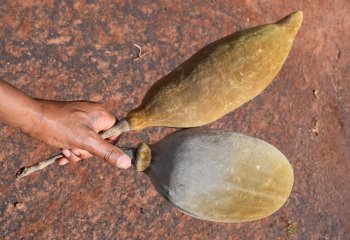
(292, 22)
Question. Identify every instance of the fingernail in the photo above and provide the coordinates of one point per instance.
(123, 161)
(66, 153)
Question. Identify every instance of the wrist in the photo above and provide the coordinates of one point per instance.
(32, 116)
(17, 109)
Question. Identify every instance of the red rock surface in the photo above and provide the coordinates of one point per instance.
(67, 50)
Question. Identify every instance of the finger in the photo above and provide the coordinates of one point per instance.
(82, 153)
(70, 155)
(105, 150)
(74, 158)
(106, 121)
(66, 152)
(76, 151)
(62, 161)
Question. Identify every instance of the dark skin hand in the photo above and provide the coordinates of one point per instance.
(71, 126)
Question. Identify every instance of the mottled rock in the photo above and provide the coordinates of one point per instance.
(90, 200)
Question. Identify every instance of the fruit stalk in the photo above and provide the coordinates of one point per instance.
(25, 171)
(118, 128)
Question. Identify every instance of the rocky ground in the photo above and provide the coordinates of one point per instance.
(67, 50)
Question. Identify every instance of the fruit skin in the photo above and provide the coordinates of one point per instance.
(220, 176)
(219, 78)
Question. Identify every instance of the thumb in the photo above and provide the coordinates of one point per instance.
(105, 150)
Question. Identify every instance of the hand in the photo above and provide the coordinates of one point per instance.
(74, 127)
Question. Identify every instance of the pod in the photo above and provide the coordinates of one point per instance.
(217, 79)
(217, 175)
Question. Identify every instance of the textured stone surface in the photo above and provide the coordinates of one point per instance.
(69, 50)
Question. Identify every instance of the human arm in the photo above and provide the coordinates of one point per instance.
(71, 126)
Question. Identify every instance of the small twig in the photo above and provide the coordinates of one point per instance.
(25, 171)
(334, 87)
(141, 54)
(314, 127)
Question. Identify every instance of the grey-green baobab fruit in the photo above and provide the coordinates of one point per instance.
(217, 79)
(217, 175)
